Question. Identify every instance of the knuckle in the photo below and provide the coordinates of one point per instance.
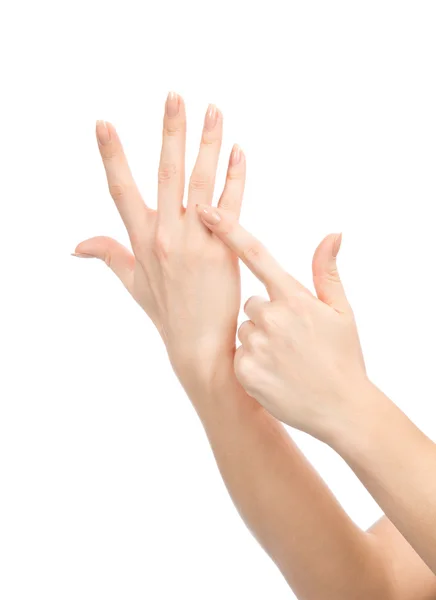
(234, 174)
(241, 330)
(296, 302)
(255, 340)
(208, 138)
(166, 172)
(117, 191)
(249, 302)
(172, 129)
(161, 244)
(268, 316)
(226, 203)
(199, 182)
(108, 259)
(108, 152)
(252, 252)
(244, 369)
(243, 326)
(330, 276)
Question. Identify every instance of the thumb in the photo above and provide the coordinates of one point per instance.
(326, 278)
(117, 257)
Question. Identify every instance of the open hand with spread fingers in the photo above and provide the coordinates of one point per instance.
(300, 355)
(184, 278)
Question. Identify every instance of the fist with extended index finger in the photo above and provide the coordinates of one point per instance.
(300, 355)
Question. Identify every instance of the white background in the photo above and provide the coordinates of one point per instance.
(108, 489)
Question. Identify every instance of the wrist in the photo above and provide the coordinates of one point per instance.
(204, 375)
(217, 394)
(363, 416)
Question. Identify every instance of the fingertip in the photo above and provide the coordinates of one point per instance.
(236, 156)
(327, 249)
(89, 248)
(103, 132)
(336, 244)
(208, 214)
(82, 255)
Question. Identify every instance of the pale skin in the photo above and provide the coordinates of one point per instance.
(187, 281)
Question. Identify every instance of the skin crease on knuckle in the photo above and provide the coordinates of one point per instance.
(117, 191)
(171, 130)
(109, 153)
(253, 252)
(167, 172)
(209, 137)
(233, 175)
(200, 182)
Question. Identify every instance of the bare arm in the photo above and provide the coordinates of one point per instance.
(188, 284)
(411, 577)
(397, 464)
(301, 359)
(292, 513)
(287, 506)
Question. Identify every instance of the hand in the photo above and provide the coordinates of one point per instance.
(300, 355)
(182, 276)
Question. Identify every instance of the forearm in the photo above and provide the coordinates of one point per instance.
(286, 504)
(397, 464)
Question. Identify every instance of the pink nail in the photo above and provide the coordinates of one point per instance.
(172, 104)
(208, 214)
(235, 157)
(337, 245)
(211, 118)
(103, 133)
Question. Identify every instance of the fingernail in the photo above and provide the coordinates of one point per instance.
(236, 155)
(209, 214)
(82, 255)
(211, 117)
(103, 134)
(172, 104)
(337, 245)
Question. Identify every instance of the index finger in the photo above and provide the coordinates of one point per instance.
(122, 186)
(251, 251)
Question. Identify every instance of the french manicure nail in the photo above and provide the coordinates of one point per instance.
(211, 117)
(82, 255)
(235, 157)
(209, 214)
(103, 134)
(337, 245)
(172, 104)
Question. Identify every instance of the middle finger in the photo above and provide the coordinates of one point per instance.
(202, 181)
(171, 176)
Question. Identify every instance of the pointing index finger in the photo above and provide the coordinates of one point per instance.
(250, 250)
